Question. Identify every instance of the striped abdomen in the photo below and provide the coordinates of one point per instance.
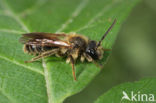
(34, 49)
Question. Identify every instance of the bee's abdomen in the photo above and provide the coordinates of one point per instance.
(34, 49)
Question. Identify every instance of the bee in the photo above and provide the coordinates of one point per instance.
(70, 46)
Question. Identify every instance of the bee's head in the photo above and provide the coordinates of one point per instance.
(94, 52)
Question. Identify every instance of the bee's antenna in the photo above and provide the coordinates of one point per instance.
(103, 37)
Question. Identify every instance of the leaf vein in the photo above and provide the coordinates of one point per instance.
(7, 96)
(48, 82)
(13, 15)
(105, 9)
(32, 9)
(11, 31)
(17, 18)
(19, 64)
(74, 14)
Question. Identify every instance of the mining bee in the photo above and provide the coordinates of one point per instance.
(70, 46)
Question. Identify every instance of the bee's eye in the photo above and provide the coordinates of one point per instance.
(90, 50)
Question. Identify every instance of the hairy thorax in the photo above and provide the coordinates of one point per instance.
(79, 44)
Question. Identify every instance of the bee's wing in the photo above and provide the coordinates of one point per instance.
(31, 36)
(44, 39)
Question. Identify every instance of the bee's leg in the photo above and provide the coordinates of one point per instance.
(43, 55)
(87, 57)
(73, 66)
(107, 49)
(82, 58)
(91, 60)
(98, 65)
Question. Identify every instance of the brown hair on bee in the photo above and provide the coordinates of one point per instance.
(72, 46)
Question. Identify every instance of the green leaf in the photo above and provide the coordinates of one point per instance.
(51, 80)
(134, 91)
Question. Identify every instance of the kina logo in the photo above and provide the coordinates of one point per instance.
(137, 96)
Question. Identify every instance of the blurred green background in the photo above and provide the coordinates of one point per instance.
(133, 56)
